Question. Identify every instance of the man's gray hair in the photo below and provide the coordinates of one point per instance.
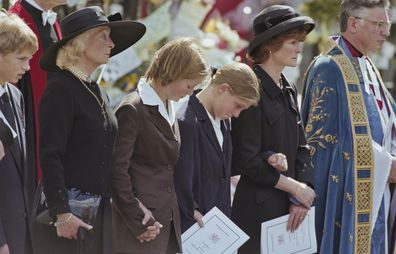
(352, 8)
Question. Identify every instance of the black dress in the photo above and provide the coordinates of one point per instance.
(274, 126)
(76, 143)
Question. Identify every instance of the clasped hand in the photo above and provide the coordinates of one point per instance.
(278, 161)
(304, 194)
(151, 231)
(67, 225)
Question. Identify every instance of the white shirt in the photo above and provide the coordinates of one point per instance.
(370, 77)
(382, 153)
(150, 97)
(216, 123)
(47, 16)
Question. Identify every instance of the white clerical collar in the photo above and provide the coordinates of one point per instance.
(151, 98)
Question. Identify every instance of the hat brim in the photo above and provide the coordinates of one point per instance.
(123, 33)
(280, 28)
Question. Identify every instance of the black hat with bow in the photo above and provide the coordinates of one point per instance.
(274, 20)
(124, 33)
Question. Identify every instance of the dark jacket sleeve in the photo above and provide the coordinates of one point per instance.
(3, 239)
(248, 157)
(56, 116)
(121, 188)
(184, 174)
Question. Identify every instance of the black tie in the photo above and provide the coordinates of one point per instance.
(6, 108)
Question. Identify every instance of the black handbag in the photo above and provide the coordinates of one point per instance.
(82, 204)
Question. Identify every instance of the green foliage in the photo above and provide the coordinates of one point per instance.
(326, 16)
(324, 11)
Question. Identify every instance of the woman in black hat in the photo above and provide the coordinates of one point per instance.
(264, 192)
(77, 132)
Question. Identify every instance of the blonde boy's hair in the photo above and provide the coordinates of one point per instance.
(178, 59)
(241, 79)
(73, 50)
(15, 35)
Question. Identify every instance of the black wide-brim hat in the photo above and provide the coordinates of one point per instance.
(124, 33)
(274, 20)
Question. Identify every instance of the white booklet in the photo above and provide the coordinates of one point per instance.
(276, 239)
(219, 235)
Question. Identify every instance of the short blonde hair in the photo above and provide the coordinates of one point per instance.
(177, 59)
(241, 79)
(15, 35)
(73, 50)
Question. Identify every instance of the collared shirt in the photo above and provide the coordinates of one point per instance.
(216, 123)
(53, 34)
(150, 97)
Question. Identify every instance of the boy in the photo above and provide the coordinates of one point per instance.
(17, 45)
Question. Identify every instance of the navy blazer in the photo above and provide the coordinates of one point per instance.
(16, 192)
(202, 173)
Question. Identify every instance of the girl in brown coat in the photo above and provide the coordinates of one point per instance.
(145, 210)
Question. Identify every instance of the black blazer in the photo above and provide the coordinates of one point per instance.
(202, 173)
(16, 194)
(75, 149)
(274, 126)
(75, 152)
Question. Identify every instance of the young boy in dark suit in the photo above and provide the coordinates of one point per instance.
(17, 45)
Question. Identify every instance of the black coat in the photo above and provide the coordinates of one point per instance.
(15, 197)
(274, 126)
(75, 152)
(202, 173)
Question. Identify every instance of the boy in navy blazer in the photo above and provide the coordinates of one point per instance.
(17, 45)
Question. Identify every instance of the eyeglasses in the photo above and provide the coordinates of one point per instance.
(379, 25)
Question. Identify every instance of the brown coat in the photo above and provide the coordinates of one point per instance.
(145, 154)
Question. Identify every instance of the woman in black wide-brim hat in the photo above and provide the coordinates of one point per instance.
(267, 136)
(77, 131)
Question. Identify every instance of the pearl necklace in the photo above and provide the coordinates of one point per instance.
(78, 74)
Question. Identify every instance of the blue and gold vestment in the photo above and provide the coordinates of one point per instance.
(341, 122)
